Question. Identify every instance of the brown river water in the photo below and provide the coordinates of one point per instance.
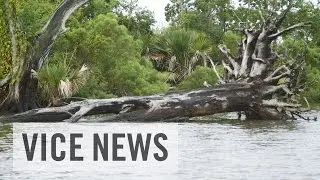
(221, 149)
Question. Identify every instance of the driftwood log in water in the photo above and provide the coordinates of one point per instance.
(200, 102)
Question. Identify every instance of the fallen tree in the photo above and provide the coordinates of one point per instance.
(165, 107)
(254, 84)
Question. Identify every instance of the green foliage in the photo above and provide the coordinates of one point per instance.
(138, 24)
(50, 76)
(313, 75)
(293, 48)
(198, 77)
(175, 8)
(5, 43)
(312, 91)
(137, 79)
(90, 90)
(113, 57)
(34, 15)
(231, 40)
(200, 22)
(11, 32)
(182, 49)
(58, 80)
(97, 7)
(314, 57)
(179, 43)
(138, 21)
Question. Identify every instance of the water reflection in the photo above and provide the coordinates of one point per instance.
(252, 126)
(263, 125)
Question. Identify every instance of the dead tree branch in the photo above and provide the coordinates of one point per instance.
(289, 29)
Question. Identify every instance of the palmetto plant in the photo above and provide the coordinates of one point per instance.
(57, 80)
(181, 50)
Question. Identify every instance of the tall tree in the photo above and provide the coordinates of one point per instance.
(22, 87)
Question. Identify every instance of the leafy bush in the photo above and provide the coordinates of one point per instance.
(292, 48)
(90, 90)
(231, 40)
(312, 92)
(179, 51)
(114, 58)
(198, 77)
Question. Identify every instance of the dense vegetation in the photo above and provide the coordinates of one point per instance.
(111, 48)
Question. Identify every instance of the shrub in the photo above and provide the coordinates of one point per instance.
(197, 78)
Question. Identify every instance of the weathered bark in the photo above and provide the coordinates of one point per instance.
(200, 102)
(230, 97)
(22, 95)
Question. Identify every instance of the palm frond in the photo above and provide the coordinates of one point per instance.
(57, 80)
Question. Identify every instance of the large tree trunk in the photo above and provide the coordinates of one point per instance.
(22, 91)
(180, 104)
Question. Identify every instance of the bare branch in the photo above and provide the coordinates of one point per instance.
(82, 112)
(231, 59)
(227, 67)
(274, 89)
(298, 115)
(287, 30)
(277, 78)
(235, 14)
(226, 52)
(215, 69)
(274, 76)
(254, 58)
(307, 102)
